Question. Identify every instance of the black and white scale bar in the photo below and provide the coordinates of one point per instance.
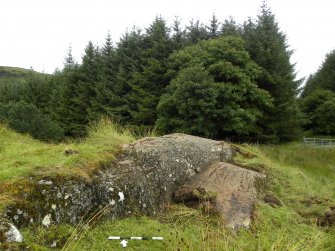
(134, 238)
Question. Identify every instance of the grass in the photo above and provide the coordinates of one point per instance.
(13, 75)
(21, 156)
(13, 71)
(302, 178)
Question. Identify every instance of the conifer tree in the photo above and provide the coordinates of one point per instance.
(178, 35)
(213, 28)
(37, 90)
(129, 61)
(324, 78)
(148, 84)
(230, 27)
(318, 98)
(268, 47)
(68, 111)
(196, 31)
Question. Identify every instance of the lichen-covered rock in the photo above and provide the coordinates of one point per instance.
(52, 201)
(235, 190)
(142, 179)
(149, 170)
(8, 232)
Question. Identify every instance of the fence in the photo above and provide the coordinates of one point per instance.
(319, 142)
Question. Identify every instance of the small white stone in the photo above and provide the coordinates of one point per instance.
(121, 195)
(45, 182)
(53, 206)
(54, 244)
(66, 196)
(19, 211)
(144, 205)
(31, 220)
(165, 188)
(16, 217)
(170, 175)
(112, 202)
(47, 220)
(13, 235)
(111, 189)
(177, 160)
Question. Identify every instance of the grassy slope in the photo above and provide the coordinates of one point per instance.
(302, 178)
(305, 193)
(21, 156)
(10, 75)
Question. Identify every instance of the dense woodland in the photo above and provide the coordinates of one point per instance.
(220, 80)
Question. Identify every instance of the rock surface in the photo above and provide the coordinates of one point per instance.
(8, 232)
(141, 180)
(235, 190)
(149, 171)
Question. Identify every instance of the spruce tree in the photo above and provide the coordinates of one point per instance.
(318, 98)
(213, 28)
(178, 35)
(129, 61)
(148, 84)
(324, 78)
(268, 47)
(68, 109)
(230, 27)
(196, 31)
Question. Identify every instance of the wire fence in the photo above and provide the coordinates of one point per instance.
(319, 142)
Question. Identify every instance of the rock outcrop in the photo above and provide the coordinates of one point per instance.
(148, 171)
(142, 179)
(230, 189)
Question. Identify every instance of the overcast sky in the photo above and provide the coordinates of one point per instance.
(37, 33)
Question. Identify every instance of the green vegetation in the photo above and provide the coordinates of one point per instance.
(12, 74)
(20, 155)
(268, 47)
(300, 177)
(318, 98)
(214, 93)
(250, 92)
(219, 81)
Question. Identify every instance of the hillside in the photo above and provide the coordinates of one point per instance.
(291, 213)
(14, 75)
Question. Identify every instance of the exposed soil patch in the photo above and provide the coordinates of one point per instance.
(272, 200)
(328, 219)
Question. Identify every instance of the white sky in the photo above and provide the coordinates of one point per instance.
(37, 33)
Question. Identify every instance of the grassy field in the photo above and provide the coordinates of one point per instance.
(302, 178)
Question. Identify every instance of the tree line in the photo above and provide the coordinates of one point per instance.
(221, 80)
